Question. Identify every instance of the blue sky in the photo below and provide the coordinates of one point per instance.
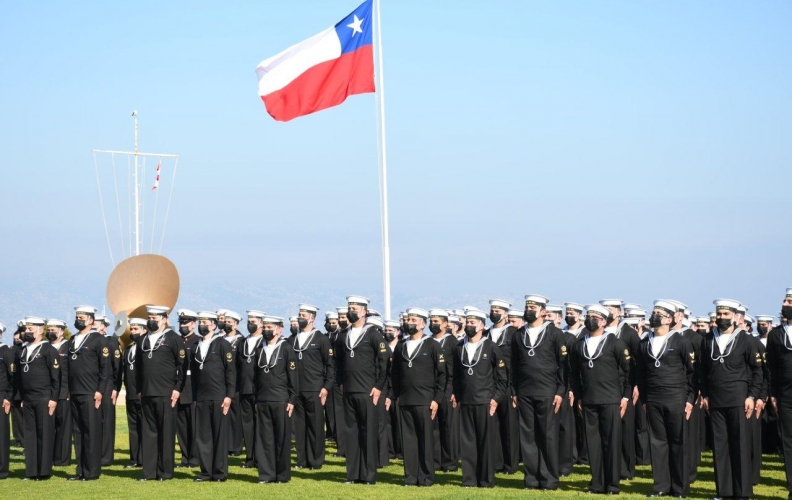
(581, 150)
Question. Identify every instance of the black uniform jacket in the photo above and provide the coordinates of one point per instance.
(277, 380)
(89, 369)
(672, 380)
(159, 366)
(215, 375)
(361, 367)
(41, 381)
(738, 377)
(539, 371)
(420, 378)
(315, 362)
(483, 378)
(607, 380)
(245, 365)
(128, 378)
(779, 363)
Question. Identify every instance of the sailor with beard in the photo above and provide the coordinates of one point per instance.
(63, 416)
(702, 325)
(571, 431)
(446, 423)
(245, 370)
(137, 329)
(185, 410)
(331, 330)
(779, 361)
(338, 395)
(730, 383)
(7, 370)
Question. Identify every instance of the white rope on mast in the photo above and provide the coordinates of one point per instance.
(154, 220)
(101, 204)
(167, 209)
(130, 200)
(141, 183)
(118, 207)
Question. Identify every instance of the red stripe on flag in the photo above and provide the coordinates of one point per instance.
(323, 86)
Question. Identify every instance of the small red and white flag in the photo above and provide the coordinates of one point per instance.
(156, 180)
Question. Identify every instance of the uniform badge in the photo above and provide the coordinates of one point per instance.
(228, 356)
(292, 366)
(117, 354)
(441, 359)
(181, 353)
(105, 352)
(692, 356)
(626, 352)
(382, 345)
(55, 364)
(758, 359)
(13, 368)
(330, 351)
(501, 364)
(563, 350)
(484, 355)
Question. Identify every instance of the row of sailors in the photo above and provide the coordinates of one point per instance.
(497, 397)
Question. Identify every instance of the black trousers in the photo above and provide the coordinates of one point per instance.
(383, 433)
(418, 445)
(785, 424)
(444, 436)
(539, 442)
(566, 439)
(87, 435)
(667, 426)
(731, 451)
(158, 440)
(340, 423)
(17, 425)
(211, 443)
(64, 423)
(39, 438)
(247, 413)
(5, 444)
(694, 442)
(135, 423)
(395, 448)
(581, 446)
(628, 442)
(361, 429)
(603, 439)
(507, 456)
(185, 433)
(329, 415)
(478, 445)
(642, 455)
(234, 427)
(755, 425)
(108, 410)
(273, 442)
(309, 430)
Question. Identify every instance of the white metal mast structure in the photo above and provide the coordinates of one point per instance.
(383, 174)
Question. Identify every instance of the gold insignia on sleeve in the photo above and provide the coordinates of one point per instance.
(106, 352)
(117, 354)
(627, 352)
(563, 350)
(764, 356)
(228, 356)
(13, 368)
(501, 364)
(330, 351)
(55, 364)
(292, 366)
(181, 353)
(382, 345)
(758, 359)
(441, 358)
(692, 356)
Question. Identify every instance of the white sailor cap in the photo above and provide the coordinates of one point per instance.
(442, 313)
(730, 304)
(666, 305)
(764, 318)
(633, 321)
(292, 319)
(206, 315)
(358, 300)
(221, 312)
(789, 292)
(252, 313)
(152, 310)
(749, 319)
(2, 328)
(331, 315)
(470, 308)
(33, 320)
(500, 303)
(373, 312)
(342, 310)
(392, 324)
(187, 314)
(628, 306)
(137, 322)
(308, 308)
(679, 305)
(233, 315)
(573, 306)
(100, 318)
(611, 303)
(554, 308)
(711, 315)
(402, 314)
(475, 313)
(56, 322)
(742, 309)
(636, 313)
(85, 310)
(376, 321)
(458, 312)
(703, 319)
(599, 310)
(453, 318)
(20, 323)
(273, 319)
(417, 311)
(688, 312)
(536, 300)
(515, 313)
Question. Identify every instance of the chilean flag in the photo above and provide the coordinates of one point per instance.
(322, 71)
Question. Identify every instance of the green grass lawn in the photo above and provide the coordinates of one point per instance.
(117, 482)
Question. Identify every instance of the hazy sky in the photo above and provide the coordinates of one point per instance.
(581, 150)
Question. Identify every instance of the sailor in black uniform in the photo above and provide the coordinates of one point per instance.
(779, 362)
(338, 395)
(7, 370)
(629, 336)
(456, 325)
(572, 434)
(214, 369)
(234, 337)
(446, 423)
(63, 416)
(107, 407)
(480, 381)
(385, 399)
(245, 360)
(665, 368)
(185, 408)
(361, 364)
(38, 378)
(554, 314)
(331, 329)
(316, 368)
(418, 374)
(730, 383)
(159, 366)
(89, 375)
(770, 434)
(746, 322)
(277, 385)
(294, 327)
(137, 329)
(600, 378)
(538, 375)
(391, 330)
(507, 427)
(635, 317)
(17, 426)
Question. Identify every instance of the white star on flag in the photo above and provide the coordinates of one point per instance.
(356, 25)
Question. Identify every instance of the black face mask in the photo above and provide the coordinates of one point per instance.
(268, 334)
(252, 328)
(28, 337)
(448, 330)
(293, 330)
(152, 325)
(570, 320)
(655, 321)
(723, 323)
(530, 316)
(302, 323)
(134, 337)
(435, 329)
(18, 341)
(343, 324)
(470, 331)
(221, 325)
(353, 317)
(79, 324)
(411, 329)
(52, 336)
(228, 328)
(591, 324)
(762, 330)
(330, 328)
(203, 330)
(786, 312)
(389, 337)
(184, 330)
(496, 317)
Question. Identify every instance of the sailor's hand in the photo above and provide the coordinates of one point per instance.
(226, 405)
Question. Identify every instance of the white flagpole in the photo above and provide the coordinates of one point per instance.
(384, 171)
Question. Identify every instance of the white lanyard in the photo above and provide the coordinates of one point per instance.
(526, 338)
(352, 348)
(153, 348)
(131, 356)
(787, 343)
(197, 354)
(729, 347)
(476, 355)
(269, 364)
(597, 351)
(307, 343)
(27, 354)
(663, 347)
(252, 352)
(409, 358)
(77, 346)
